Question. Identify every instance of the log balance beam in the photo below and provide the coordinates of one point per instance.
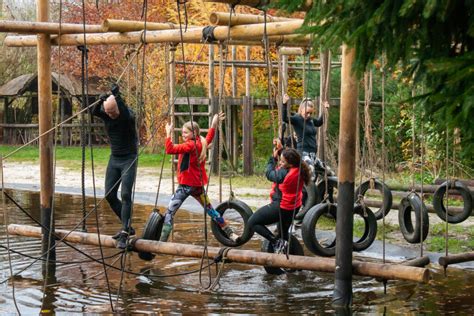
(458, 258)
(376, 270)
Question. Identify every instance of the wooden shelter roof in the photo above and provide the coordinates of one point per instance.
(29, 82)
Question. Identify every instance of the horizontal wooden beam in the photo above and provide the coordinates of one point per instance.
(291, 51)
(377, 270)
(48, 27)
(458, 258)
(223, 18)
(251, 32)
(111, 25)
(305, 6)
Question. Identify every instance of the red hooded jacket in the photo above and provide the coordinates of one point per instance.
(188, 164)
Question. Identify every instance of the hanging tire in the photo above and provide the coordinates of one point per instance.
(412, 233)
(438, 203)
(152, 231)
(383, 189)
(309, 200)
(295, 249)
(244, 212)
(308, 230)
(370, 228)
(321, 190)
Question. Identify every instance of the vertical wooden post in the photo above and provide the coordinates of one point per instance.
(5, 120)
(234, 150)
(325, 95)
(284, 74)
(45, 123)
(172, 78)
(342, 296)
(247, 130)
(213, 106)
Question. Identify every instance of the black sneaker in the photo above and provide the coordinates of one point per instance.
(122, 240)
(117, 235)
(280, 246)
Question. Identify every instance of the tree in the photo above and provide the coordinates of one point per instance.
(431, 41)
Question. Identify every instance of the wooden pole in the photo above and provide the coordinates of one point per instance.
(47, 27)
(45, 123)
(247, 135)
(291, 51)
(324, 96)
(234, 112)
(386, 271)
(223, 18)
(111, 25)
(458, 258)
(305, 6)
(247, 72)
(213, 105)
(172, 83)
(287, 40)
(252, 32)
(342, 296)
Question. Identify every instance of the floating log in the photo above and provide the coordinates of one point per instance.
(459, 258)
(386, 271)
(418, 262)
(47, 27)
(111, 25)
(291, 51)
(251, 32)
(223, 18)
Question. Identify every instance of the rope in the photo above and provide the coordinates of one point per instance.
(222, 259)
(5, 219)
(85, 71)
(446, 231)
(383, 151)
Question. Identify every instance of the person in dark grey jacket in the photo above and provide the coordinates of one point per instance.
(306, 129)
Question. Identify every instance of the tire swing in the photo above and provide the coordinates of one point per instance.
(412, 233)
(438, 204)
(383, 189)
(152, 231)
(308, 230)
(236, 211)
(295, 249)
(370, 227)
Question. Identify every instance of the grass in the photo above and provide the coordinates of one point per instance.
(460, 239)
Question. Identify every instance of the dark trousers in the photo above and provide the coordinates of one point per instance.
(121, 170)
(270, 214)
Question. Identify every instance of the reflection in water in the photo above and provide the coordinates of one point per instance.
(164, 285)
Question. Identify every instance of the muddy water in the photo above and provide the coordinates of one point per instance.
(82, 287)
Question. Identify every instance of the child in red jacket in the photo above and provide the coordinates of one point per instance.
(192, 175)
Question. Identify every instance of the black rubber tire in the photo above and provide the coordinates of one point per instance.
(411, 233)
(152, 231)
(309, 201)
(383, 189)
(321, 189)
(308, 229)
(370, 228)
(245, 212)
(295, 249)
(438, 203)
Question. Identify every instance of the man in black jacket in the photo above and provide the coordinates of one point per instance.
(120, 126)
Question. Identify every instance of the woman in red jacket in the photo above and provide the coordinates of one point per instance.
(288, 179)
(192, 175)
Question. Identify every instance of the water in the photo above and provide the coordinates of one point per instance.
(82, 287)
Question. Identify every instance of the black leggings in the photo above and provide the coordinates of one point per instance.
(121, 169)
(267, 215)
